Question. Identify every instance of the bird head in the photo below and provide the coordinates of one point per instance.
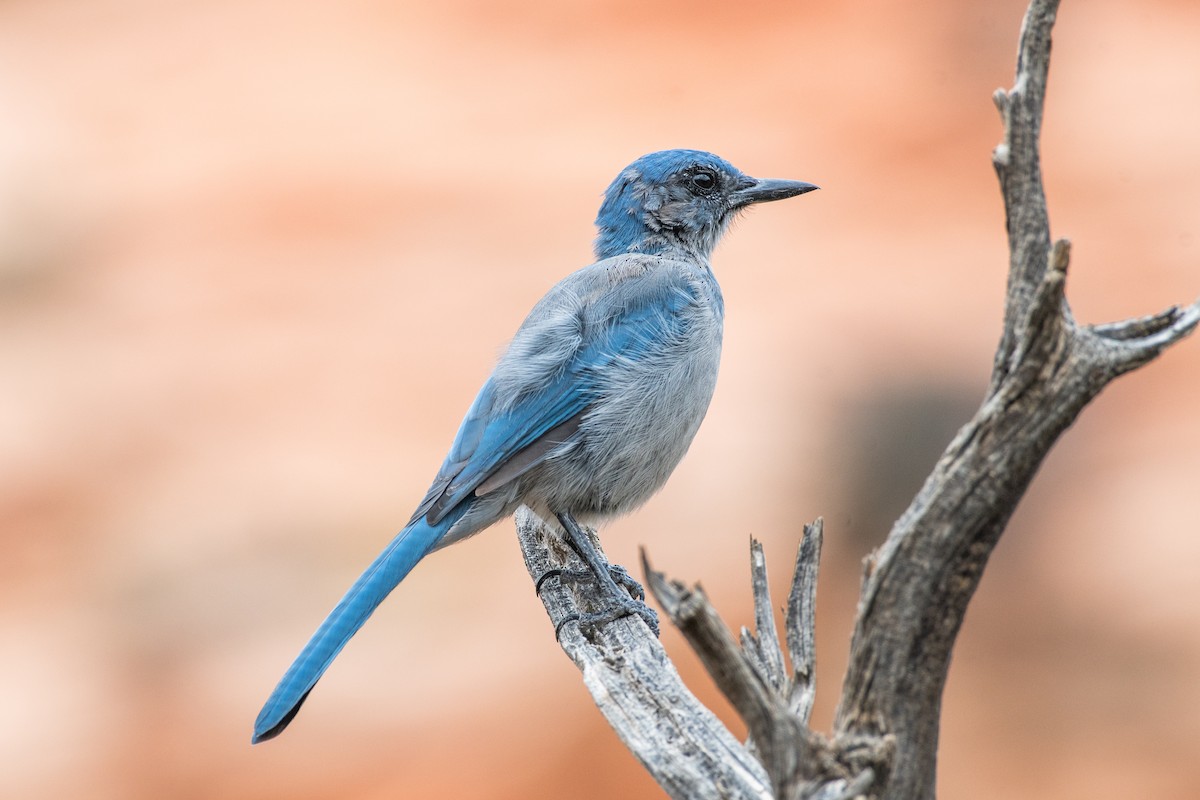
(679, 200)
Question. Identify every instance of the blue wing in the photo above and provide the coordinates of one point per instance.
(509, 418)
(489, 440)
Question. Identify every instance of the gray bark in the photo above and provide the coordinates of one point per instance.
(917, 585)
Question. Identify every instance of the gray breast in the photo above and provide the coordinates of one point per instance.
(646, 415)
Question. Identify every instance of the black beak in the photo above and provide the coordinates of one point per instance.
(765, 190)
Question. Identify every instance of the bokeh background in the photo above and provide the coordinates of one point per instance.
(257, 256)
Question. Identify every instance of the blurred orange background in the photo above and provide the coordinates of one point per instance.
(256, 257)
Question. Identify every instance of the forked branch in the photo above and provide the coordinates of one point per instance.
(918, 583)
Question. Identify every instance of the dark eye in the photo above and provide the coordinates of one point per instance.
(703, 181)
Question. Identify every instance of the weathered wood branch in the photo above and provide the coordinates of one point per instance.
(679, 741)
(1047, 369)
(917, 585)
(676, 738)
(799, 762)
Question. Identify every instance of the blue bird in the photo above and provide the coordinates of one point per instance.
(594, 402)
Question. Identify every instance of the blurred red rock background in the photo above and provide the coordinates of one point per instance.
(256, 257)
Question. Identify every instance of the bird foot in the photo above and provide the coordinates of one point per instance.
(622, 606)
(621, 577)
(625, 595)
(626, 607)
(619, 574)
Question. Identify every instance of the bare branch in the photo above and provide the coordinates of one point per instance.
(762, 647)
(802, 622)
(679, 741)
(1131, 343)
(799, 762)
(1018, 164)
(1046, 370)
(773, 729)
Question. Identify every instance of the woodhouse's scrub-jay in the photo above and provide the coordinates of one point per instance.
(594, 402)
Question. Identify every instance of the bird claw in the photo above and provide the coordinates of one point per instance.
(621, 577)
(621, 607)
(626, 608)
(619, 574)
(553, 573)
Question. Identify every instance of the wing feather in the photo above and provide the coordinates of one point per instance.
(501, 438)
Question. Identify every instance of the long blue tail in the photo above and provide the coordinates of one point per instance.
(392, 565)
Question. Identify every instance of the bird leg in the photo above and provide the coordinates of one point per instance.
(610, 577)
(619, 574)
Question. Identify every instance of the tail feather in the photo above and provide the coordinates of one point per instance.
(392, 565)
